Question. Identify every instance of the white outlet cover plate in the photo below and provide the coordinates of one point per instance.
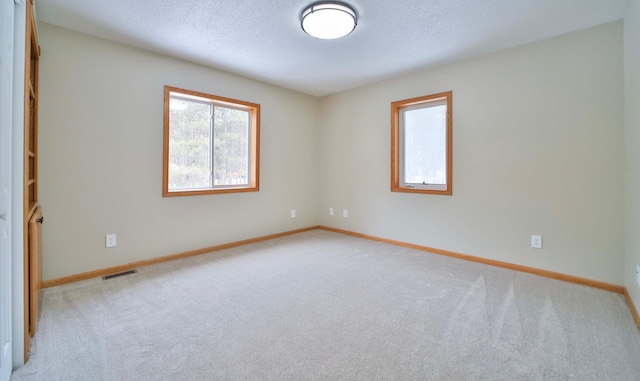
(331, 211)
(638, 275)
(293, 213)
(345, 213)
(110, 240)
(536, 241)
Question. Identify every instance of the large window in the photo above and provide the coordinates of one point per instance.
(211, 144)
(421, 144)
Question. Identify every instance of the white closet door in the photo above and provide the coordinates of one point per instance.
(6, 90)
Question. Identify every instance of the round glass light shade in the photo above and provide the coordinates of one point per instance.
(328, 20)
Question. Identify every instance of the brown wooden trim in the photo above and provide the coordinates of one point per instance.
(254, 149)
(491, 262)
(165, 144)
(632, 307)
(218, 99)
(35, 267)
(395, 149)
(31, 23)
(32, 210)
(209, 191)
(171, 257)
(395, 142)
(32, 53)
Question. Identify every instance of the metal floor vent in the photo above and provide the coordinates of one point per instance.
(107, 277)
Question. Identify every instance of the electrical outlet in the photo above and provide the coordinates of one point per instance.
(331, 211)
(345, 213)
(293, 213)
(638, 275)
(536, 241)
(110, 240)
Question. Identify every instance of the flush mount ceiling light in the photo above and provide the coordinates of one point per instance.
(328, 19)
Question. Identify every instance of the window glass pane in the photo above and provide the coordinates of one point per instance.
(231, 147)
(425, 145)
(189, 144)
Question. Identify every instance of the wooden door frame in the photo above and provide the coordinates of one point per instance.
(32, 54)
(35, 267)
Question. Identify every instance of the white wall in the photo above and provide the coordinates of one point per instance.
(101, 128)
(632, 141)
(538, 149)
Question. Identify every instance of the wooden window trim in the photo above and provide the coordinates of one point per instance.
(254, 149)
(396, 108)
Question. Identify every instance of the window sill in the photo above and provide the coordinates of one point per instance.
(445, 192)
(198, 192)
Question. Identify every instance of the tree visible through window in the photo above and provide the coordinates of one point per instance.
(211, 144)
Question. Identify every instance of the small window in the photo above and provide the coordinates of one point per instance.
(211, 144)
(421, 135)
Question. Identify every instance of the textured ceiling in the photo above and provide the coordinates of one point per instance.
(263, 40)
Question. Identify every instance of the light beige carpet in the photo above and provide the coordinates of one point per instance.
(326, 306)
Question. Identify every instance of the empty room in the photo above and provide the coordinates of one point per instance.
(329, 190)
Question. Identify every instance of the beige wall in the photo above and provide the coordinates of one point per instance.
(538, 149)
(101, 124)
(632, 141)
